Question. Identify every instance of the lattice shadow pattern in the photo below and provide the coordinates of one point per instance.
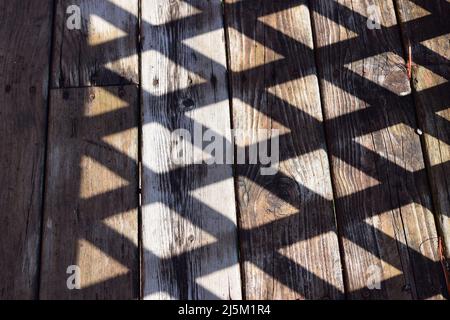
(366, 90)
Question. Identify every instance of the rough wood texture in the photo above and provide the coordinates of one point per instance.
(425, 27)
(103, 52)
(287, 219)
(189, 218)
(25, 33)
(90, 216)
(383, 203)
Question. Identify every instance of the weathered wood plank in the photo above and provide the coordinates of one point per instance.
(189, 218)
(25, 34)
(383, 203)
(103, 51)
(289, 244)
(425, 27)
(90, 216)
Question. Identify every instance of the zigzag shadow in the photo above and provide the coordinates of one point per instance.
(395, 178)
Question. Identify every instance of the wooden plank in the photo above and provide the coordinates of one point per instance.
(91, 200)
(425, 27)
(289, 243)
(383, 203)
(103, 51)
(189, 218)
(25, 34)
(433, 108)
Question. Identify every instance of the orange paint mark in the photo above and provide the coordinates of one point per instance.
(409, 66)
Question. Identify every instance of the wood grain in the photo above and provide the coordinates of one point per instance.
(25, 34)
(383, 203)
(103, 51)
(189, 217)
(289, 244)
(425, 27)
(91, 200)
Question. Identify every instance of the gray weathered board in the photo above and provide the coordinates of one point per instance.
(287, 220)
(103, 51)
(426, 29)
(383, 204)
(25, 33)
(91, 198)
(188, 209)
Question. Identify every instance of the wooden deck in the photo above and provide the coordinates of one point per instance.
(359, 207)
